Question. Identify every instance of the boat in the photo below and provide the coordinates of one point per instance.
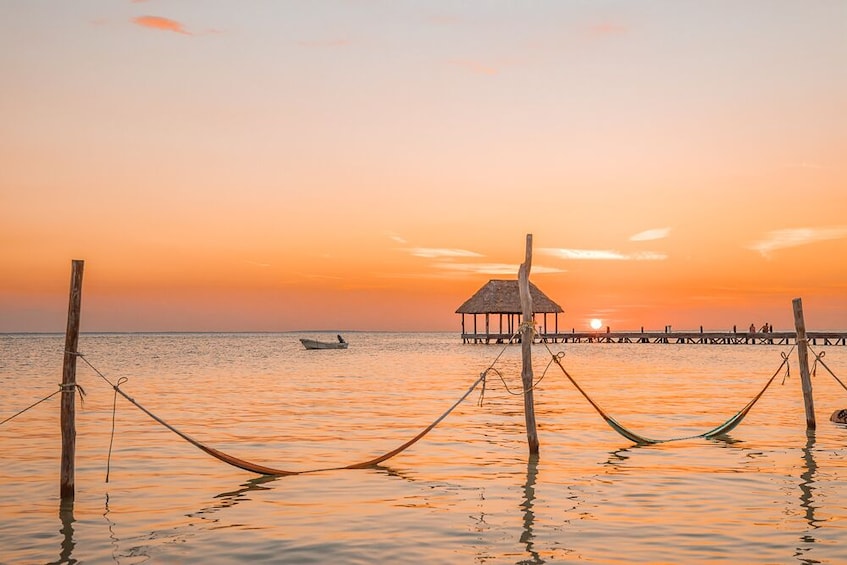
(317, 344)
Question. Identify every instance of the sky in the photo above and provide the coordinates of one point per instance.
(369, 164)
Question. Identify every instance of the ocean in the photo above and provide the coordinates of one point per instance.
(467, 492)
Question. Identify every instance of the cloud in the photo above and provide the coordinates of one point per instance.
(650, 235)
(647, 256)
(160, 23)
(396, 238)
(601, 255)
(494, 268)
(793, 237)
(446, 261)
(432, 253)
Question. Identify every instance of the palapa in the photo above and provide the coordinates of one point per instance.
(502, 297)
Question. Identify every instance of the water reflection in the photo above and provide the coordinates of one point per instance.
(66, 515)
(620, 456)
(807, 488)
(231, 498)
(113, 538)
(527, 536)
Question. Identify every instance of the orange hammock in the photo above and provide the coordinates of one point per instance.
(262, 469)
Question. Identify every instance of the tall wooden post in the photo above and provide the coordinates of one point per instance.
(526, 348)
(803, 355)
(66, 484)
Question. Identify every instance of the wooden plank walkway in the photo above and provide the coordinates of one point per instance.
(692, 337)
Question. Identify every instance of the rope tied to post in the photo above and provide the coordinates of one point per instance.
(71, 387)
(33, 405)
(819, 359)
(520, 392)
(68, 387)
(492, 369)
(787, 364)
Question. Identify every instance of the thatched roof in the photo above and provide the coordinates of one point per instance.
(503, 297)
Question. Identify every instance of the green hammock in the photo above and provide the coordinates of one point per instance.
(724, 428)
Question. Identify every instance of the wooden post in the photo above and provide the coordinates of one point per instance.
(526, 348)
(803, 355)
(66, 484)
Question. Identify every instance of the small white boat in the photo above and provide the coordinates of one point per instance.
(316, 344)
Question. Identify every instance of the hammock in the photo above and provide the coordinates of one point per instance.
(262, 469)
(724, 428)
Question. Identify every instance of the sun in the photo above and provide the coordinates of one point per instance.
(596, 323)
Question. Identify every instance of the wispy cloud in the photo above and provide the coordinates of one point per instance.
(463, 261)
(432, 253)
(493, 268)
(160, 23)
(396, 238)
(650, 235)
(601, 254)
(793, 237)
(647, 256)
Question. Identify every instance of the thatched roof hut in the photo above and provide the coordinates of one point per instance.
(502, 297)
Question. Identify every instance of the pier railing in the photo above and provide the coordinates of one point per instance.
(692, 337)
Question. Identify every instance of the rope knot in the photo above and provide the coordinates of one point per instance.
(71, 387)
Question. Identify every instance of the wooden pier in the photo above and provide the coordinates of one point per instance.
(687, 337)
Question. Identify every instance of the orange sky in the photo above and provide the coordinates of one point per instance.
(369, 165)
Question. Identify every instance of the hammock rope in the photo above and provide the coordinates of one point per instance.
(819, 360)
(62, 388)
(263, 469)
(33, 405)
(722, 429)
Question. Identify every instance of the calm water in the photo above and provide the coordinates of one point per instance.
(466, 493)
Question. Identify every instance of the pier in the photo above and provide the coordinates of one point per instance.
(827, 338)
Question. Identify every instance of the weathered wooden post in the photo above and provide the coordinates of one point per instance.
(803, 355)
(66, 484)
(526, 347)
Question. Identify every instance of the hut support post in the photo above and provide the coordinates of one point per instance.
(803, 356)
(526, 348)
(66, 481)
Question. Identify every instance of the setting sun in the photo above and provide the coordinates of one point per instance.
(596, 323)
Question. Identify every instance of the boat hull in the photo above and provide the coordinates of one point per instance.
(315, 344)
